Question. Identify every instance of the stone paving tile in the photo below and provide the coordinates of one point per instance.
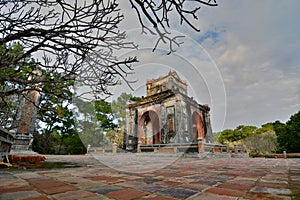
(30, 175)
(89, 184)
(8, 183)
(50, 186)
(195, 187)
(211, 196)
(181, 179)
(274, 180)
(97, 197)
(180, 193)
(131, 177)
(185, 178)
(126, 194)
(152, 188)
(46, 183)
(272, 185)
(205, 182)
(6, 175)
(131, 184)
(227, 192)
(73, 180)
(168, 183)
(264, 196)
(106, 179)
(15, 189)
(70, 195)
(19, 195)
(105, 189)
(236, 186)
(59, 189)
(148, 180)
(240, 179)
(157, 197)
(38, 198)
(271, 190)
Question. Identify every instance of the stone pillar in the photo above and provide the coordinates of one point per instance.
(135, 131)
(200, 145)
(227, 148)
(284, 154)
(235, 148)
(139, 146)
(114, 147)
(88, 148)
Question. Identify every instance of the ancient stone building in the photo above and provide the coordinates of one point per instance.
(167, 115)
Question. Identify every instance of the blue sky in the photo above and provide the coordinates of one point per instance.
(245, 62)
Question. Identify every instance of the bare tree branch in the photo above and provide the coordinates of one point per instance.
(155, 16)
(62, 36)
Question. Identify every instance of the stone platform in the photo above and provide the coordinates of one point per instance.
(129, 176)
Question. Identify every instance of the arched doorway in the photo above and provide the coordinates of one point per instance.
(197, 125)
(149, 132)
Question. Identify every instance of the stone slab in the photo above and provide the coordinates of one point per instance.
(183, 178)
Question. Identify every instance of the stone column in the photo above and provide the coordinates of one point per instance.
(139, 147)
(235, 148)
(200, 145)
(114, 147)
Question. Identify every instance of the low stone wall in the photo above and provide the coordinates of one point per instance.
(283, 155)
(30, 161)
(195, 147)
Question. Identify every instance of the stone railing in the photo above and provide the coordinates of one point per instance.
(168, 148)
(113, 149)
(6, 141)
(194, 147)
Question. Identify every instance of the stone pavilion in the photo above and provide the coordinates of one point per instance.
(167, 115)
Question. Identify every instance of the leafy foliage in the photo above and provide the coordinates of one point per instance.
(104, 114)
(9, 104)
(257, 140)
(288, 135)
(115, 136)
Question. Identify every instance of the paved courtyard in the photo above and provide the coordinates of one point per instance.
(132, 176)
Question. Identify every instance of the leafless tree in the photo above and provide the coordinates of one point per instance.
(155, 17)
(71, 39)
(61, 35)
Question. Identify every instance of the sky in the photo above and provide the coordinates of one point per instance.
(244, 63)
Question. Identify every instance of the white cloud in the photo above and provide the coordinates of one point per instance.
(256, 46)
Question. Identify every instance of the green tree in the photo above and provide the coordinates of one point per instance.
(119, 106)
(288, 135)
(9, 103)
(88, 127)
(58, 125)
(227, 136)
(115, 136)
(104, 114)
(238, 134)
(264, 141)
